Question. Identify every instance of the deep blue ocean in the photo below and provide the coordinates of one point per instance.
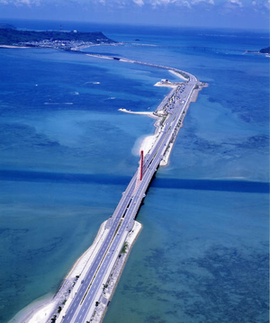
(67, 154)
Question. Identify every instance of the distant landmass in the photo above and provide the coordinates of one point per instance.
(9, 36)
(265, 50)
(7, 26)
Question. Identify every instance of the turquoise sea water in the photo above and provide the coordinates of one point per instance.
(67, 154)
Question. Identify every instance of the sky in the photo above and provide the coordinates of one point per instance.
(252, 14)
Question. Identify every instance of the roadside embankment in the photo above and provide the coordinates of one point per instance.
(37, 312)
(41, 311)
(197, 90)
(110, 285)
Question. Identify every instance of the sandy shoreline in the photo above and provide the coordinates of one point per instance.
(148, 114)
(148, 143)
(10, 46)
(27, 313)
(161, 84)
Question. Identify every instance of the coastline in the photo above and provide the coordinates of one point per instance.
(148, 142)
(27, 313)
(11, 46)
(148, 114)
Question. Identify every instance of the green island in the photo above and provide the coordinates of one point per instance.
(265, 50)
(65, 40)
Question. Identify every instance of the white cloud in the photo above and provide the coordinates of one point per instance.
(122, 3)
(184, 3)
(236, 2)
(160, 2)
(257, 5)
(22, 2)
(28, 3)
(264, 4)
(140, 3)
(202, 1)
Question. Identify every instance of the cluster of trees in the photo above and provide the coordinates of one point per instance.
(265, 50)
(10, 36)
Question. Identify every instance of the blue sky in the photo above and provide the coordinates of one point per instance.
(209, 13)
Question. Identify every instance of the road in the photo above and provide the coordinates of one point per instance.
(121, 222)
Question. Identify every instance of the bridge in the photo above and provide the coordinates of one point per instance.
(174, 108)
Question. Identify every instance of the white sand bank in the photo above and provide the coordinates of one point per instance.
(10, 46)
(161, 84)
(148, 114)
(43, 314)
(36, 312)
(147, 143)
(99, 56)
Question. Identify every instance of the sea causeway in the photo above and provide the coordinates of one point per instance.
(87, 290)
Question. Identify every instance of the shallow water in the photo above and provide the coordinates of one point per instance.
(68, 153)
(203, 261)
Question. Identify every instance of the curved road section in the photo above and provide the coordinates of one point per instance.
(174, 108)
